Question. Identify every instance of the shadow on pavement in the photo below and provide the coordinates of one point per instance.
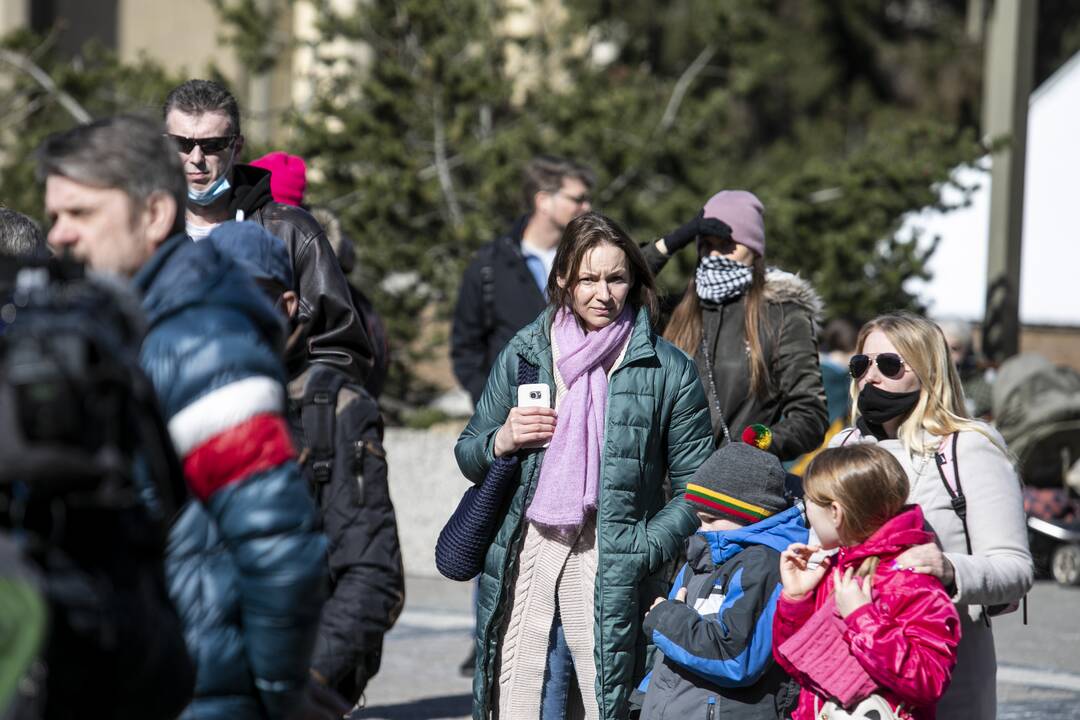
(447, 706)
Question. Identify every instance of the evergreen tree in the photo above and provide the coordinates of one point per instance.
(42, 92)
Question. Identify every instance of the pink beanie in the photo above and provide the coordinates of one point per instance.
(744, 213)
(288, 176)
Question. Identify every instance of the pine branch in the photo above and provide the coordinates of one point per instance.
(446, 182)
(678, 93)
(42, 78)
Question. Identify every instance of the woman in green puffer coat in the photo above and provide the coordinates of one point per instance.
(591, 523)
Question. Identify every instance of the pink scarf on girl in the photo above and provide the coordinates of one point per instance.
(569, 484)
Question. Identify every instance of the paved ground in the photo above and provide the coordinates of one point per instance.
(1039, 674)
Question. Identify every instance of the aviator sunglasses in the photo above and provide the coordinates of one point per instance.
(208, 144)
(891, 365)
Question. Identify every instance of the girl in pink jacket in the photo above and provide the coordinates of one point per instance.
(870, 636)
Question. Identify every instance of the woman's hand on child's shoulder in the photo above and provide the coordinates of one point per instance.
(798, 578)
(927, 559)
(850, 592)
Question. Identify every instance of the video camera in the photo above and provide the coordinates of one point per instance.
(89, 481)
(75, 409)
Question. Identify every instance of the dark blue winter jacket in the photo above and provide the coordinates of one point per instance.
(245, 566)
(717, 646)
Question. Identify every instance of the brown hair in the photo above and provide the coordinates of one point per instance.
(581, 235)
(545, 173)
(866, 481)
(684, 328)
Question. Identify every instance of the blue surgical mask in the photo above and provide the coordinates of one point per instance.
(212, 193)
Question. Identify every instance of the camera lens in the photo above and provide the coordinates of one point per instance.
(534, 394)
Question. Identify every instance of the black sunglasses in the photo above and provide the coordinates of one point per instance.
(891, 365)
(208, 145)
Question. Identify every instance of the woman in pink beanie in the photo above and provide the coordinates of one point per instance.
(752, 333)
(288, 176)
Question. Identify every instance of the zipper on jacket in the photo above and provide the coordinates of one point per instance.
(710, 711)
(601, 671)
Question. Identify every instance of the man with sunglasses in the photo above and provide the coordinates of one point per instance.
(502, 290)
(202, 119)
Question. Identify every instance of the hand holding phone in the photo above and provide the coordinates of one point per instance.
(531, 423)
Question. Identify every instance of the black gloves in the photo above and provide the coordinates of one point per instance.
(683, 235)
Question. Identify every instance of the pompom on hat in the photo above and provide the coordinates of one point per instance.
(288, 176)
(744, 213)
(741, 481)
(758, 435)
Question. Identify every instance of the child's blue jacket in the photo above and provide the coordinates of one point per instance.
(717, 646)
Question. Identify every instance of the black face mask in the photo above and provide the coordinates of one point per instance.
(880, 406)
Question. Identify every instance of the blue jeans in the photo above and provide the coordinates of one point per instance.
(558, 675)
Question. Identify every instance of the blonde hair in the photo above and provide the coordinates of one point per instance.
(940, 409)
(866, 481)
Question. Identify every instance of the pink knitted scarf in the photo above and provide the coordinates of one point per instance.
(569, 484)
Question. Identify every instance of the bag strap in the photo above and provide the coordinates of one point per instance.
(527, 372)
(487, 289)
(852, 434)
(712, 387)
(946, 457)
(318, 416)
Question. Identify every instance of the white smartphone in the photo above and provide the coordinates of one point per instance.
(534, 395)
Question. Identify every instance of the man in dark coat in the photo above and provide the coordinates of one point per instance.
(502, 290)
(203, 119)
(245, 563)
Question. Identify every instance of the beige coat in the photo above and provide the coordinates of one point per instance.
(1000, 568)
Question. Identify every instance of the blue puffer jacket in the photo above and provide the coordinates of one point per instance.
(716, 647)
(245, 566)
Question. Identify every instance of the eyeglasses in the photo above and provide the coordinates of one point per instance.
(209, 145)
(891, 365)
(576, 199)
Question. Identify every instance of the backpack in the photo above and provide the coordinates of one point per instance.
(380, 344)
(338, 429)
(948, 468)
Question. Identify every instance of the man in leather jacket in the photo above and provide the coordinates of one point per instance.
(203, 119)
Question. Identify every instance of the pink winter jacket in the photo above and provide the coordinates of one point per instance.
(905, 639)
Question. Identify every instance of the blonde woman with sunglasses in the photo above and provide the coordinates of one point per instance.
(907, 397)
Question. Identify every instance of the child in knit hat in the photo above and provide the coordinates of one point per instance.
(714, 631)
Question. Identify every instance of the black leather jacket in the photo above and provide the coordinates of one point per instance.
(332, 332)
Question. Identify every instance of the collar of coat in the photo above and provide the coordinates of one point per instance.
(534, 343)
(784, 287)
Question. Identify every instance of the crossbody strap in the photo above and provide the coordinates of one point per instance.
(317, 416)
(946, 457)
(711, 372)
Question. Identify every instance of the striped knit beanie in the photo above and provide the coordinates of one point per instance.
(739, 482)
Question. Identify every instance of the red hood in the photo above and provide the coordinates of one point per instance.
(894, 537)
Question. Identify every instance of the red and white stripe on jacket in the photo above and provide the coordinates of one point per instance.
(230, 433)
